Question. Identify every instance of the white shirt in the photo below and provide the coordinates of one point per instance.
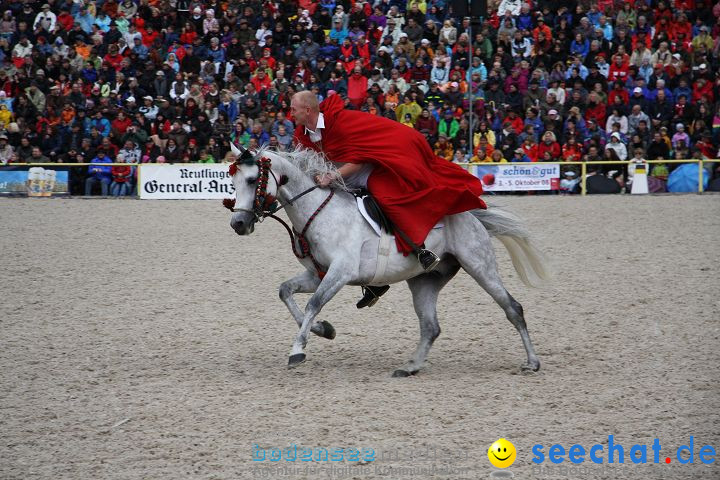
(316, 135)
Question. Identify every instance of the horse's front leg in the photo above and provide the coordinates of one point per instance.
(306, 282)
(337, 277)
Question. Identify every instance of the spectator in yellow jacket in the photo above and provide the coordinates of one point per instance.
(481, 156)
(443, 148)
(407, 121)
(408, 107)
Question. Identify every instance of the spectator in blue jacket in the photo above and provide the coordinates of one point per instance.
(329, 50)
(85, 20)
(99, 174)
(338, 33)
(216, 53)
(101, 124)
(580, 45)
(228, 106)
(519, 156)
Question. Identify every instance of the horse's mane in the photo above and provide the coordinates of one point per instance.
(309, 162)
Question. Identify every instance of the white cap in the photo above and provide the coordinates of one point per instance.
(703, 66)
(454, 84)
(425, 41)
(570, 173)
(552, 112)
(679, 126)
(130, 99)
(403, 35)
(197, 10)
(676, 55)
(637, 90)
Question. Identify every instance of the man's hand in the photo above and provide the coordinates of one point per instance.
(324, 180)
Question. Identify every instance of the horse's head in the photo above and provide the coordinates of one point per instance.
(254, 191)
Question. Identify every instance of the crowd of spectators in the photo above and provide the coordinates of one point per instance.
(178, 80)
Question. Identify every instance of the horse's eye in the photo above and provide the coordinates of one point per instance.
(250, 181)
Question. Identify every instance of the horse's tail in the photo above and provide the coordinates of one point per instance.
(529, 262)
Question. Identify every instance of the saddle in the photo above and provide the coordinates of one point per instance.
(375, 212)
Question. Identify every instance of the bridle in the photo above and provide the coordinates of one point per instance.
(266, 205)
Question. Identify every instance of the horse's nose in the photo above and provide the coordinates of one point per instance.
(237, 225)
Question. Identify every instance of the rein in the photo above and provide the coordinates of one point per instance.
(265, 205)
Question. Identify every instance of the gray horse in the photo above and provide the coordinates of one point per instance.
(345, 248)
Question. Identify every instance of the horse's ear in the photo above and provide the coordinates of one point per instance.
(243, 155)
(247, 158)
(235, 150)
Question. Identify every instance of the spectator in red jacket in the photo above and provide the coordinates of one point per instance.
(702, 89)
(618, 69)
(549, 144)
(114, 58)
(595, 109)
(515, 121)
(65, 20)
(357, 87)
(120, 124)
(681, 25)
(618, 90)
(541, 28)
(261, 82)
(530, 148)
(427, 123)
(120, 178)
(149, 35)
(571, 151)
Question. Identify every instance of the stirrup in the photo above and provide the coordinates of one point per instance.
(371, 295)
(428, 259)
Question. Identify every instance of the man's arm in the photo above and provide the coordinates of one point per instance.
(349, 168)
(345, 171)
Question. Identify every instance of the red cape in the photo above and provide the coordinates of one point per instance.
(414, 187)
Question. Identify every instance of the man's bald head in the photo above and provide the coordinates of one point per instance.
(305, 109)
(306, 99)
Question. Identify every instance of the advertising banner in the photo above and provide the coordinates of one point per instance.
(512, 177)
(33, 181)
(185, 182)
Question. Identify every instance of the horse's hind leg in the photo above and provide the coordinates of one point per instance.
(306, 282)
(479, 263)
(425, 290)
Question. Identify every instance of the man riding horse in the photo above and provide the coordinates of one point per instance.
(414, 188)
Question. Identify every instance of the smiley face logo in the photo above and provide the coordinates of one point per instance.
(502, 453)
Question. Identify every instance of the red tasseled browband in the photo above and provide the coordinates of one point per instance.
(263, 201)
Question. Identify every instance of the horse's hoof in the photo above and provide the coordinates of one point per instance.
(401, 373)
(296, 360)
(530, 367)
(328, 330)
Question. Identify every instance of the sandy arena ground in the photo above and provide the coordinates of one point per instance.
(145, 340)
